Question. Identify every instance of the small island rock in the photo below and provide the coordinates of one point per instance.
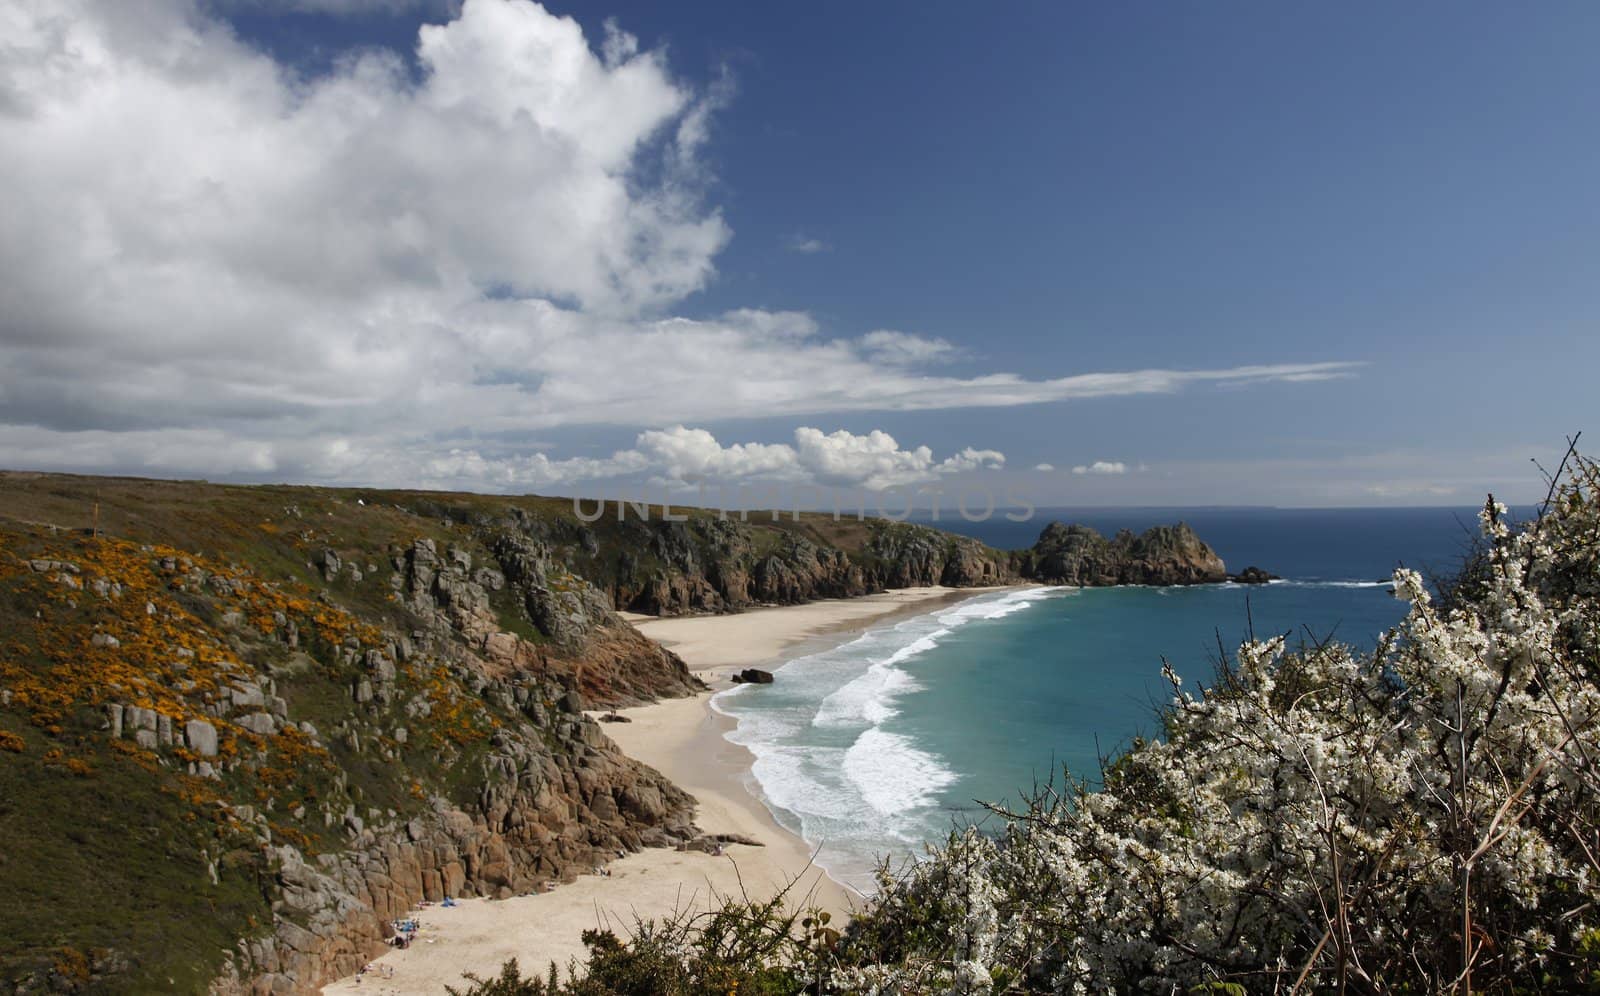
(1253, 575)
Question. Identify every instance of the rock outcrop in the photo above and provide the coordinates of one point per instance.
(575, 632)
(1252, 575)
(540, 816)
(1077, 555)
(714, 564)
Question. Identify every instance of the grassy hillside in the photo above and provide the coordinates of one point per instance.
(240, 727)
(195, 700)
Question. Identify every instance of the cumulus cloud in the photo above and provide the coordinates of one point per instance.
(1046, 467)
(212, 264)
(1101, 467)
(677, 456)
(874, 461)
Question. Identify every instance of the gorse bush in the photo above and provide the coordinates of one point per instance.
(1421, 818)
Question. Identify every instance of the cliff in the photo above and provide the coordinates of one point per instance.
(210, 774)
(1077, 555)
(241, 728)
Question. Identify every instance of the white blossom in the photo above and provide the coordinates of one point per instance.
(1321, 809)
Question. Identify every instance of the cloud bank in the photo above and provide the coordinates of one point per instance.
(214, 265)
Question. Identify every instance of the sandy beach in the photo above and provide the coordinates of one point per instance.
(682, 738)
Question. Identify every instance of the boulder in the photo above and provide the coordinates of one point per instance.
(754, 676)
(260, 723)
(201, 737)
(246, 696)
(1252, 575)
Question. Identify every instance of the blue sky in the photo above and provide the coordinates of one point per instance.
(1082, 186)
(1055, 190)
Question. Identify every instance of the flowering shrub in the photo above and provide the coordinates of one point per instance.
(1422, 818)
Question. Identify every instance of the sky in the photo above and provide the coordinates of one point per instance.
(1090, 254)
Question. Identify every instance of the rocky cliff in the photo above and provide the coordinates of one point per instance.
(231, 769)
(715, 564)
(1077, 555)
(241, 728)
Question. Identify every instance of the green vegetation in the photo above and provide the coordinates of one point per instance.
(119, 861)
(102, 860)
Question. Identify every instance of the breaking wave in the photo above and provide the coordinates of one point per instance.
(824, 761)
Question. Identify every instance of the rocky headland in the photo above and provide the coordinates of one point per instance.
(243, 728)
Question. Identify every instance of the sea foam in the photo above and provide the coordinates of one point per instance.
(825, 763)
(891, 774)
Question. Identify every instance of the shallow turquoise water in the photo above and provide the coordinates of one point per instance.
(876, 746)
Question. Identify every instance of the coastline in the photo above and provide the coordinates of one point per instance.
(683, 739)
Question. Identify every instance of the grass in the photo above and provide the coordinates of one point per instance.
(110, 861)
(107, 846)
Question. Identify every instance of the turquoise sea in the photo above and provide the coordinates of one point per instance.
(876, 746)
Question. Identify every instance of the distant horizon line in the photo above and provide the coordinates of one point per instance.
(914, 514)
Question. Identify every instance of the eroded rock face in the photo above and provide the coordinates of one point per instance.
(723, 565)
(1078, 555)
(556, 800)
(712, 564)
(579, 637)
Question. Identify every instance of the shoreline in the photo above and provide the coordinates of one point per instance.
(683, 739)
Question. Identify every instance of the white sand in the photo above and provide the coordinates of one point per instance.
(712, 646)
(683, 739)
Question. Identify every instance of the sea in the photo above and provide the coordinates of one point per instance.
(874, 747)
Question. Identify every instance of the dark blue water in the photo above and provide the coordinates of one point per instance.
(1306, 543)
(877, 745)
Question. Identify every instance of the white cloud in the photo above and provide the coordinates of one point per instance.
(678, 456)
(694, 455)
(161, 156)
(876, 461)
(806, 244)
(341, 7)
(1046, 467)
(888, 347)
(1102, 467)
(841, 459)
(210, 264)
(1406, 490)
